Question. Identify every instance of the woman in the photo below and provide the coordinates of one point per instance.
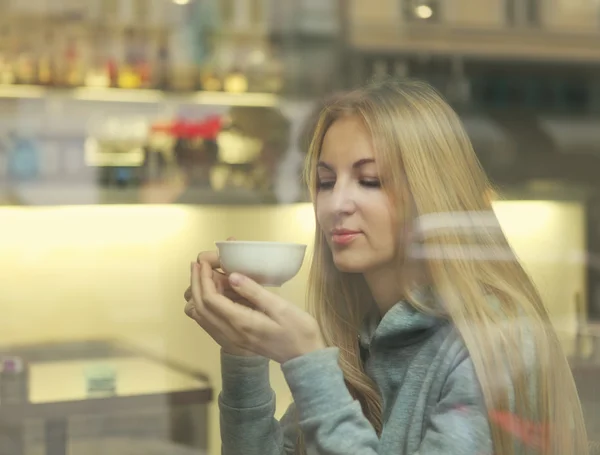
(426, 335)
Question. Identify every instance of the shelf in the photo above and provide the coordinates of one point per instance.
(58, 194)
(139, 96)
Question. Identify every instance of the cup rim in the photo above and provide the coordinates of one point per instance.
(260, 243)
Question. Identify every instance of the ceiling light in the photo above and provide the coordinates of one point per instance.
(424, 11)
(181, 2)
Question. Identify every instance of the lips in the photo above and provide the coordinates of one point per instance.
(343, 236)
(343, 231)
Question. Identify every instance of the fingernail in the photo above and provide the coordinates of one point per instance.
(235, 279)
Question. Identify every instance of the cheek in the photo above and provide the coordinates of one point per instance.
(381, 212)
(388, 226)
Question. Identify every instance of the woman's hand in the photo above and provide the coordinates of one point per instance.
(268, 326)
(221, 283)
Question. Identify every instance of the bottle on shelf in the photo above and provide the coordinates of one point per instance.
(129, 76)
(210, 79)
(45, 71)
(108, 15)
(45, 67)
(256, 70)
(7, 72)
(142, 61)
(98, 73)
(182, 49)
(235, 81)
(73, 70)
(141, 12)
(25, 67)
(161, 63)
(275, 79)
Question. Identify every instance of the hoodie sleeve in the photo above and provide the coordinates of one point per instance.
(459, 423)
(332, 421)
(247, 410)
(334, 424)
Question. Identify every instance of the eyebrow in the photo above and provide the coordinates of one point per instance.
(356, 165)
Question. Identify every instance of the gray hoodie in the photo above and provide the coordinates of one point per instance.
(432, 401)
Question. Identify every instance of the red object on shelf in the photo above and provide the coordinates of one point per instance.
(207, 129)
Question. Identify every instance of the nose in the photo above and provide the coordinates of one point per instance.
(343, 199)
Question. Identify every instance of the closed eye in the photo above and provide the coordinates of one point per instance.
(367, 183)
(325, 185)
(371, 183)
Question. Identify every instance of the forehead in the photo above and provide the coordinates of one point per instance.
(347, 141)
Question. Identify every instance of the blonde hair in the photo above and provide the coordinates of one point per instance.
(429, 166)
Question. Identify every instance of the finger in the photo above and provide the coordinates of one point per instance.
(209, 289)
(221, 281)
(189, 309)
(190, 312)
(196, 287)
(209, 328)
(200, 296)
(264, 300)
(223, 287)
(236, 298)
(187, 295)
(211, 257)
(204, 290)
(239, 317)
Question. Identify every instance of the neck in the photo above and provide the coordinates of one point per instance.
(388, 286)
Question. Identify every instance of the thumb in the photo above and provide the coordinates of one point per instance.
(231, 238)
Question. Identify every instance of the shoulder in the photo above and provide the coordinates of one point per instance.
(450, 348)
(459, 375)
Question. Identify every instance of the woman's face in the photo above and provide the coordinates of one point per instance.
(353, 211)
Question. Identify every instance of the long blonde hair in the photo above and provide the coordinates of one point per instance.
(430, 166)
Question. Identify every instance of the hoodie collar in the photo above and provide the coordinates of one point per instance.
(401, 325)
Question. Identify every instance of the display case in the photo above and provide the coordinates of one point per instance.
(97, 146)
(145, 101)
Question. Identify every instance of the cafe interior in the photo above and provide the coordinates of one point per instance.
(136, 134)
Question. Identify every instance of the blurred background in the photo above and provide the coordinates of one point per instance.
(135, 133)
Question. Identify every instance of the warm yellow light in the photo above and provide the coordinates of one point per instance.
(305, 219)
(181, 2)
(424, 11)
(519, 218)
(90, 226)
(236, 83)
(238, 149)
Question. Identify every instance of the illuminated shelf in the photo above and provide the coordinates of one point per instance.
(57, 194)
(139, 96)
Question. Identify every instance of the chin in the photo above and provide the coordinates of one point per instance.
(347, 262)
